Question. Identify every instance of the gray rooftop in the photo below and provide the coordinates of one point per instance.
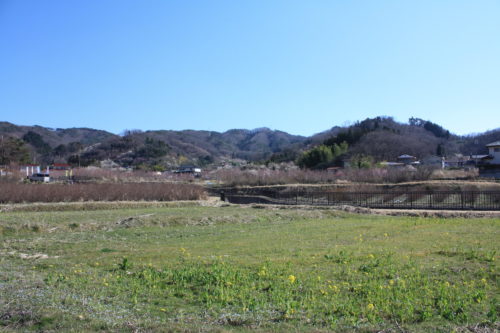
(493, 144)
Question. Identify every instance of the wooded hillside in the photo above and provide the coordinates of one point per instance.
(371, 140)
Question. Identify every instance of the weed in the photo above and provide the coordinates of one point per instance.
(73, 226)
(124, 265)
(380, 290)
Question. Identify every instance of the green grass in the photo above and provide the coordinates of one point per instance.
(240, 268)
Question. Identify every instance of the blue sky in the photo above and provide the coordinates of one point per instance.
(296, 66)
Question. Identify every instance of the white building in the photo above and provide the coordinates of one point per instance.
(494, 152)
(30, 169)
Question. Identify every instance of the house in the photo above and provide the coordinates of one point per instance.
(403, 162)
(408, 159)
(456, 161)
(434, 161)
(490, 164)
(494, 152)
(109, 164)
(479, 159)
(30, 169)
(189, 169)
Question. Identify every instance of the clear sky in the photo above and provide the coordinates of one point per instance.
(297, 66)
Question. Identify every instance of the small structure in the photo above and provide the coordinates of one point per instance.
(494, 152)
(456, 161)
(109, 164)
(489, 165)
(407, 159)
(434, 161)
(403, 161)
(188, 169)
(479, 159)
(30, 169)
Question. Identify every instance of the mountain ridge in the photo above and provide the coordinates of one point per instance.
(379, 137)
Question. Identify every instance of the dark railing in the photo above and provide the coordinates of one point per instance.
(477, 200)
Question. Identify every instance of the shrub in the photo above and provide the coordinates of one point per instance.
(16, 193)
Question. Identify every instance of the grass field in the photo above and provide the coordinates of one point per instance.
(196, 268)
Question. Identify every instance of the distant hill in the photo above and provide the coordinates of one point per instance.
(237, 143)
(55, 137)
(383, 139)
(151, 147)
(380, 138)
(476, 144)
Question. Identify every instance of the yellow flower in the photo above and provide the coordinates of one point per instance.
(291, 278)
(370, 307)
(386, 235)
(334, 288)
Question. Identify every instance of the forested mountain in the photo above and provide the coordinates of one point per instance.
(44, 145)
(56, 136)
(136, 148)
(373, 139)
(383, 139)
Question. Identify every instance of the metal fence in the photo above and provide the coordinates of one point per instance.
(454, 200)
